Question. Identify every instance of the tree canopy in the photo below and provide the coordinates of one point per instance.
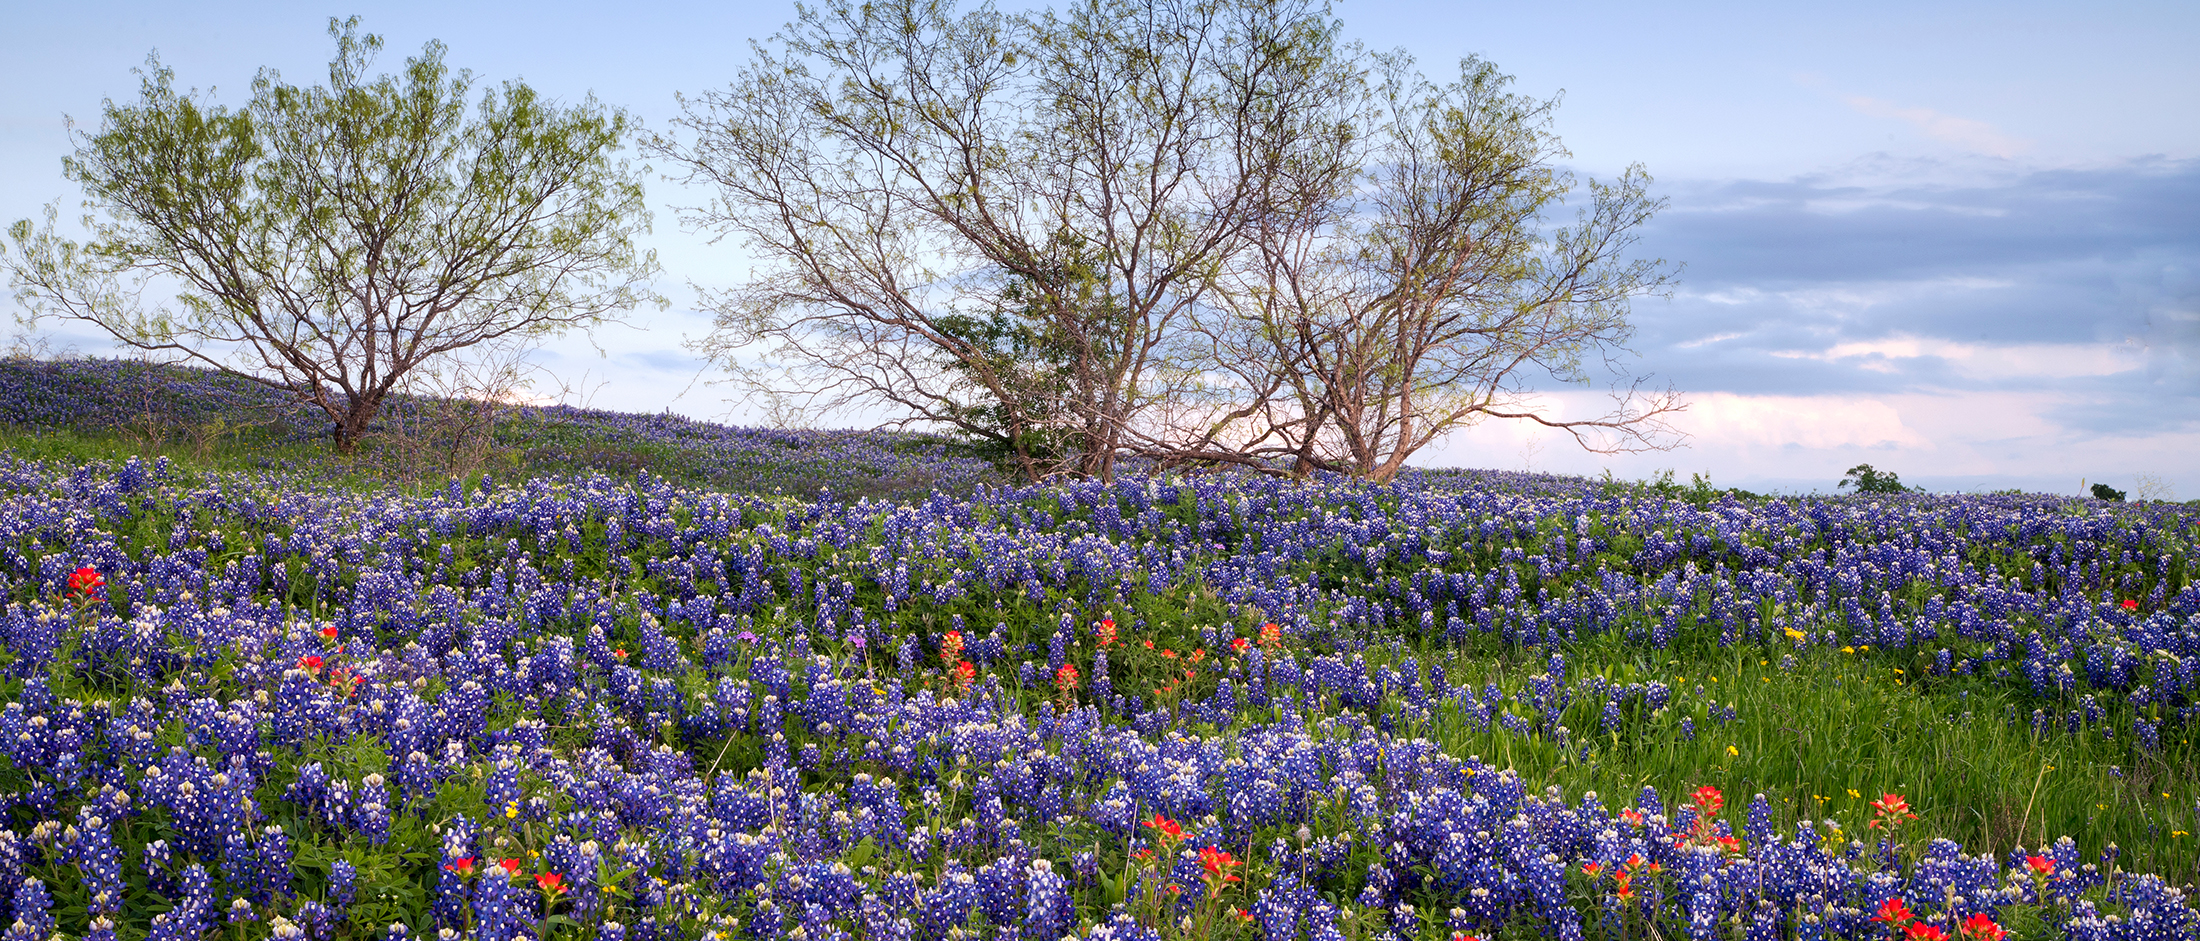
(331, 239)
(1184, 231)
(1867, 479)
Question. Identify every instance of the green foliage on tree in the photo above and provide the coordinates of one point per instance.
(2106, 492)
(1029, 345)
(1197, 233)
(1431, 282)
(1868, 480)
(331, 239)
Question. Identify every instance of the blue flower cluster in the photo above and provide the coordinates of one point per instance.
(174, 401)
(636, 710)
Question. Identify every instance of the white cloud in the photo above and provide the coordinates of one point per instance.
(1942, 440)
(1707, 341)
(1984, 361)
(1787, 421)
(1973, 135)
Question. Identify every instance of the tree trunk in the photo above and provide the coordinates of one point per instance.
(358, 417)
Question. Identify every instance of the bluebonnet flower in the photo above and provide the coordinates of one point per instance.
(193, 911)
(445, 655)
(1048, 908)
(502, 910)
(948, 903)
(33, 921)
(459, 863)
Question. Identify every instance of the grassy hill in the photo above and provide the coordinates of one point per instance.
(638, 676)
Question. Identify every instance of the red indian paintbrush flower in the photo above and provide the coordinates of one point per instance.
(1894, 912)
(86, 580)
(1065, 679)
(1980, 927)
(1709, 801)
(1892, 810)
(550, 883)
(1170, 830)
(464, 867)
(1218, 864)
(1924, 932)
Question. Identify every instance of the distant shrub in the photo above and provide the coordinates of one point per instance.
(2106, 492)
(1868, 480)
(1698, 491)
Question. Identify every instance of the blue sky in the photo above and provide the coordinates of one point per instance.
(1956, 241)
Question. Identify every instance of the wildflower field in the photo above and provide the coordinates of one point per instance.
(799, 685)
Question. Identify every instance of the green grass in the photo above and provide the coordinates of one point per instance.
(1820, 735)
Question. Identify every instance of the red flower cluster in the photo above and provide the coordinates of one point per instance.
(1218, 864)
(1978, 927)
(1170, 831)
(1705, 831)
(86, 582)
(1709, 801)
(1893, 811)
(1623, 878)
(1895, 913)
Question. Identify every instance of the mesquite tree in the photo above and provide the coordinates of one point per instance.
(1194, 231)
(329, 240)
(1000, 223)
(1422, 291)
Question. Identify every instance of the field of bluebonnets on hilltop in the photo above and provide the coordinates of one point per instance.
(648, 678)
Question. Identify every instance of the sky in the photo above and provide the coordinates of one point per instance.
(1956, 241)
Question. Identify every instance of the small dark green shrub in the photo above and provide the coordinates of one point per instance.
(1867, 480)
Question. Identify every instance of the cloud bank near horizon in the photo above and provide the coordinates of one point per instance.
(1981, 323)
